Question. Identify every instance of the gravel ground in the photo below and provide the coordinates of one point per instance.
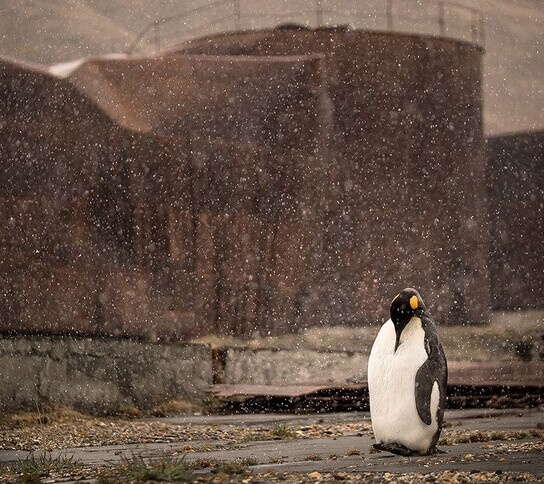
(70, 429)
(265, 448)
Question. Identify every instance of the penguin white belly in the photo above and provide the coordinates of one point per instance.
(391, 385)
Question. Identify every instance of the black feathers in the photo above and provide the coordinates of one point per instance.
(434, 370)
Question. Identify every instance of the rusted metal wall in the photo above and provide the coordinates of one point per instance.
(72, 251)
(199, 226)
(516, 200)
(50, 157)
(227, 193)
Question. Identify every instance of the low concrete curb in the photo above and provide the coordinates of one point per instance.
(99, 375)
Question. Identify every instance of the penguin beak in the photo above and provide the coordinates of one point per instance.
(397, 342)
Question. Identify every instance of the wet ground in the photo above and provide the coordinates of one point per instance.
(497, 445)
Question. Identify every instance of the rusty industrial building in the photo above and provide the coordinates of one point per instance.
(261, 181)
(516, 207)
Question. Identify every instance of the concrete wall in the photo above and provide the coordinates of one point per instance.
(99, 375)
(291, 367)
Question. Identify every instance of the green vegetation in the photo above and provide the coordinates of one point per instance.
(230, 468)
(278, 432)
(168, 469)
(355, 452)
(138, 469)
(282, 432)
(38, 465)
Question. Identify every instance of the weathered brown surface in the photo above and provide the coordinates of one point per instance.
(50, 162)
(405, 205)
(226, 390)
(516, 196)
(176, 241)
(187, 194)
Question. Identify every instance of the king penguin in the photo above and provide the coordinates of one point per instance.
(407, 377)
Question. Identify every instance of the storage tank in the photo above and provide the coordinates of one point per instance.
(404, 202)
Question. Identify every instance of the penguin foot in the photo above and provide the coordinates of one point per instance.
(436, 450)
(394, 448)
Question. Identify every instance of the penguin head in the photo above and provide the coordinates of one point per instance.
(405, 305)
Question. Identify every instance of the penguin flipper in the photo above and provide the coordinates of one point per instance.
(434, 370)
(424, 388)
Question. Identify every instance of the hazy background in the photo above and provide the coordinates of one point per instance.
(52, 31)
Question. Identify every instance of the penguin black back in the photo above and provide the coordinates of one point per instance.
(435, 369)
